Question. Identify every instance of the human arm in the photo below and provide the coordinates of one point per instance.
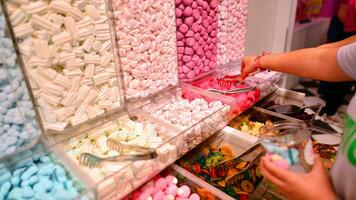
(340, 43)
(295, 186)
(314, 63)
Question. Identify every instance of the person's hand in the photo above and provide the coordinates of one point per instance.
(248, 66)
(295, 186)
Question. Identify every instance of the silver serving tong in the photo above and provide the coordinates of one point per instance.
(233, 91)
(91, 160)
(289, 109)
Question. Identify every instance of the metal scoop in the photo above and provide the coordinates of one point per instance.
(289, 109)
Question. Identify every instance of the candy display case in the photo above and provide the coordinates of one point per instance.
(227, 163)
(66, 52)
(248, 125)
(210, 34)
(123, 153)
(18, 126)
(196, 120)
(146, 41)
(39, 174)
(287, 97)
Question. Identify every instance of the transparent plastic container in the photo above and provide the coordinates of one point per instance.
(19, 129)
(194, 130)
(115, 179)
(287, 97)
(66, 52)
(145, 36)
(289, 146)
(42, 174)
(219, 148)
(248, 125)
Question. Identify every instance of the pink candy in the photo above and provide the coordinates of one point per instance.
(187, 11)
(183, 191)
(187, 2)
(194, 197)
(183, 28)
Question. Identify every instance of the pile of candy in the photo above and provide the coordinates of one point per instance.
(146, 37)
(197, 23)
(125, 131)
(327, 153)
(164, 188)
(204, 163)
(17, 117)
(245, 124)
(67, 51)
(37, 177)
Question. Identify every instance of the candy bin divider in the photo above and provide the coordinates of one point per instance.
(39, 115)
(40, 149)
(114, 23)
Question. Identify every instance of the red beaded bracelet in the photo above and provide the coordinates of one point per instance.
(257, 64)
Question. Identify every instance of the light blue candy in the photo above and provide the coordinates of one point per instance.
(28, 192)
(16, 193)
(15, 181)
(5, 177)
(29, 172)
(46, 169)
(5, 187)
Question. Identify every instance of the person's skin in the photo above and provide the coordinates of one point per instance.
(316, 63)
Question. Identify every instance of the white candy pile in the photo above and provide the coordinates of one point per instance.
(146, 37)
(232, 30)
(67, 51)
(17, 117)
(126, 131)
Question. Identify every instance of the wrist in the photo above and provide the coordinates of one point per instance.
(259, 65)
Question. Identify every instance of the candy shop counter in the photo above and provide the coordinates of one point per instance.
(226, 163)
(39, 173)
(18, 127)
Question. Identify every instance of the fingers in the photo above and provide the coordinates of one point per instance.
(271, 177)
(281, 174)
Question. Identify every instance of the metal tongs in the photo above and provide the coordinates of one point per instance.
(238, 177)
(91, 160)
(233, 91)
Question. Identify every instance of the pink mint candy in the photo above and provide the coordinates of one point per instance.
(214, 4)
(172, 189)
(186, 58)
(161, 184)
(194, 5)
(209, 29)
(201, 67)
(196, 71)
(181, 6)
(199, 20)
(196, 13)
(180, 36)
(211, 20)
(190, 33)
(187, 11)
(211, 65)
(181, 76)
(200, 2)
(194, 197)
(200, 52)
(179, 22)
(214, 40)
(205, 5)
(203, 31)
(212, 14)
(206, 62)
(190, 42)
(180, 43)
(196, 46)
(183, 191)
(189, 21)
(190, 64)
(179, 12)
(183, 28)
(180, 50)
(180, 63)
(178, 2)
(204, 14)
(211, 46)
(188, 51)
(205, 23)
(171, 179)
(213, 34)
(195, 58)
(197, 36)
(195, 27)
(187, 2)
(208, 41)
(214, 25)
(180, 69)
(206, 69)
(206, 36)
(198, 63)
(201, 41)
(180, 56)
(189, 75)
(158, 196)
